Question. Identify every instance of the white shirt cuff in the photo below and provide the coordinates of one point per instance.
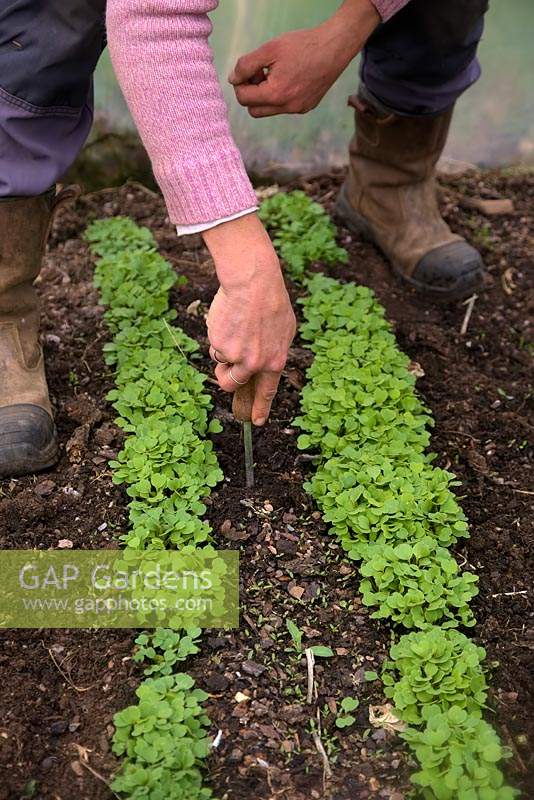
(186, 230)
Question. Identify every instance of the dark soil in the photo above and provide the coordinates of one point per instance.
(61, 688)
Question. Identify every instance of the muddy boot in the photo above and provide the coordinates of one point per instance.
(28, 438)
(389, 198)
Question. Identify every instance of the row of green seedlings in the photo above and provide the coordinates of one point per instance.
(169, 467)
(393, 512)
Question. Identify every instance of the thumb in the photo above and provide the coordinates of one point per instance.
(251, 66)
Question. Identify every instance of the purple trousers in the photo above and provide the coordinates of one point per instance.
(419, 62)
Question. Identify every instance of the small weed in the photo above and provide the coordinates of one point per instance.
(73, 379)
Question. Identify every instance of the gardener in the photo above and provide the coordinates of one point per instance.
(414, 67)
(48, 52)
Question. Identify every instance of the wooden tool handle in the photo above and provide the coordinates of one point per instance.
(244, 400)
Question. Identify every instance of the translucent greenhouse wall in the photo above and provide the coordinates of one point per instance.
(494, 123)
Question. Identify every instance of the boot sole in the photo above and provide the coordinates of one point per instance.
(469, 283)
(28, 440)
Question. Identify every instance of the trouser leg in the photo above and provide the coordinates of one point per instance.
(425, 57)
(48, 52)
(414, 68)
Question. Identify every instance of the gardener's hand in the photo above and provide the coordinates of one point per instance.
(292, 73)
(251, 323)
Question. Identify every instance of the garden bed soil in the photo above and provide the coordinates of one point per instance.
(60, 689)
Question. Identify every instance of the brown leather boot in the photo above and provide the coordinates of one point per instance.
(389, 197)
(28, 438)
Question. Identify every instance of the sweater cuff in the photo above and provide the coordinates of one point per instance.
(203, 191)
(387, 8)
(187, 230)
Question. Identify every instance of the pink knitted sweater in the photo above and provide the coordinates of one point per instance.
(164, 64)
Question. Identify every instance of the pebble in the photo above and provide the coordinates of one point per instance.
(59, 727)
(379, 735)
(44, 488)
(217, 682)
(51, 338)
(70, 492)
(217, 642)
(296, 592)
(65, 544)
(285, 546)
(253, 668)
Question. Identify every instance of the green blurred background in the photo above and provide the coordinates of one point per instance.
(494, 123)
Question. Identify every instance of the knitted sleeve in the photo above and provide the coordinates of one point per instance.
(164, 63)
(387, 8)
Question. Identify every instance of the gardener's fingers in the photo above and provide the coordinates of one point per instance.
(231, 376)
(250, 66)
(258, 112)
(251, 95)
(266, 388)
(218, 356)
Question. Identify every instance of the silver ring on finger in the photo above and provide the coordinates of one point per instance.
(219, 360)
(239, 383)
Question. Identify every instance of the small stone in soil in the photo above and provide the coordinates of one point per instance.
(65, 544)
(285, 546)
(217, 642)
(44, 488)
(58, 727)
(253, 668)
(296, 592)
(217, 682)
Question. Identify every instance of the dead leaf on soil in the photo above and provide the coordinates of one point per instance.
(507, 281)
(296, 592)
(45, 488)
(65, 544)
(267, 191)
(83, 752)
(193, 308)
(383, 717)
(491, 208)
(295, 378)
(477, 461)
(416, 369)
(77, 444)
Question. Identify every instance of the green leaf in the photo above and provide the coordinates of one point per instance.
(350, 703)
(346, 721)
(322, 652)
(295, 633)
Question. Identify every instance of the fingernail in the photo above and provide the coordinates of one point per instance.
(260, 421)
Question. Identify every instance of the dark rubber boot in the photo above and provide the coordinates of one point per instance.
(389, 198)
(28, 438)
